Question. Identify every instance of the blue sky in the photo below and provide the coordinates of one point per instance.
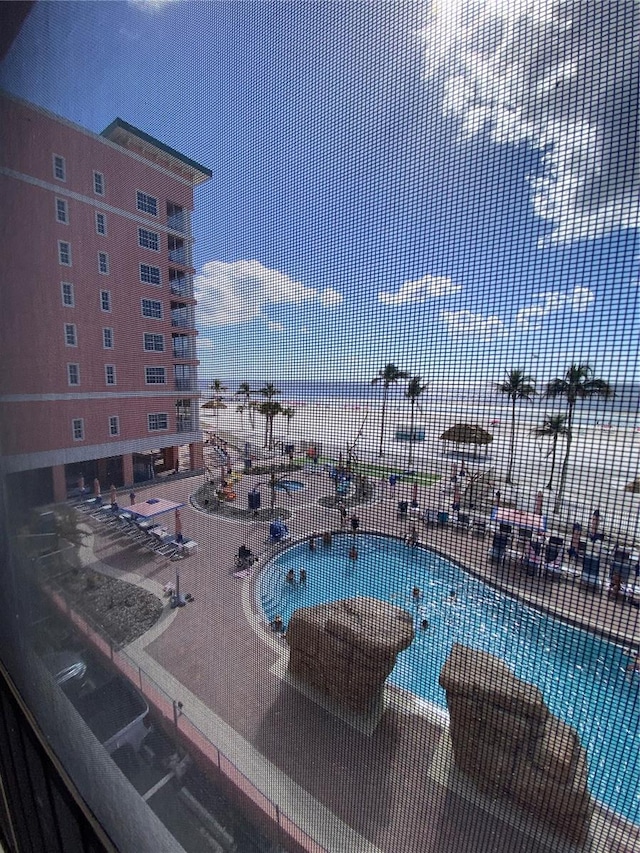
(392, 182)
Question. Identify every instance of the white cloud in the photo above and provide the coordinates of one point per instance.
(578, 300)
(330, 297)
(242, 291)
(469, 325)
(559, 76)
(429, 286)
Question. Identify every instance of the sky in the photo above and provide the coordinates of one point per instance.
(446, 186)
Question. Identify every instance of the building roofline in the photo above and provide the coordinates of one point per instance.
(114, 131)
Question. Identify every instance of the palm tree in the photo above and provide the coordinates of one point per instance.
(288, 413)
(245, 391)
(577, 384)
(269, 409)
(218, 389)
(269, 391)
(518, 386)
(388, 376)
(415, 389)
(553, 427)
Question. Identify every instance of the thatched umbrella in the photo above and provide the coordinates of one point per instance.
(214, 404)
(467, 434)
(633, 486)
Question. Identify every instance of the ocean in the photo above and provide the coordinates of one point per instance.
(478, 399)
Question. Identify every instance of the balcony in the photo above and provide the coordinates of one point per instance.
(189, 386)
(178, 219)
(185, 424)
(183, 318)
(184, 351)
(179, 251)
(181, 285)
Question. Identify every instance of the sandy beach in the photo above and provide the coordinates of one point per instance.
(602, 462)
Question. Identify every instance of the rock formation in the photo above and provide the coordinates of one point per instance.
(346, 649)
(505, 738)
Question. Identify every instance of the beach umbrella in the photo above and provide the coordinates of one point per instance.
(113, 498)
(178, 523)
(467, 434)
(539, 498)
(96, 487)
(633, 486)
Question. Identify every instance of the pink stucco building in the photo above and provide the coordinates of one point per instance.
(97, 328)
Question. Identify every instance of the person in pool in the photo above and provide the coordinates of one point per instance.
(291, 576)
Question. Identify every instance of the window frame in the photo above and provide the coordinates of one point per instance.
(142, 203)
(79, 421)
(97, 191)
(103, 256)
(110, 371)
(62, 204)
(151, 302)
(70, 335)
(146, 238)
(110, 423)
(73, 367)
(63, 167)
(107, 333)
(100, 216)
(155, 336)
(164, 415)
(148, 280)
(158, 370)
(61, 262)
(107, 294)
(72, 303)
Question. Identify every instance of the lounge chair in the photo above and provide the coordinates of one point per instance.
(463, 522)
(553, 557)
(532, 560)
(278, 531)
(430, 516)
(499, 546)
(479, 528)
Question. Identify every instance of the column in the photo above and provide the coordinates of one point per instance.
(59, 483)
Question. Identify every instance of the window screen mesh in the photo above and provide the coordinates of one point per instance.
(358, 523)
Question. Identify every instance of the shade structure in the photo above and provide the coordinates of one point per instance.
(153, 507)
(519, 518)
(467, 434)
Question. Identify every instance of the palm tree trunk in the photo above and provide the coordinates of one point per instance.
(413, 403)
(384, 406)
(565, 462)
(554, 447)
(513, 440)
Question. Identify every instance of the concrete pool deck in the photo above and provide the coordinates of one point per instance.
(348, 789)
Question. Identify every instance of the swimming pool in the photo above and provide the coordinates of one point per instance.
(289, 485)
(581, 676)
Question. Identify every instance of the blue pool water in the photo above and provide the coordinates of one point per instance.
(290, 485)
(581, 676)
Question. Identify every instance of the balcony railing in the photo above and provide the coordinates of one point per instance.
(180, 256)
(179, 222)
(186, 384)
(186, 353)
(182, 286)
(182, 318)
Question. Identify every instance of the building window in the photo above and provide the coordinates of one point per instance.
(64, 253)
(73, 374)
(107, 338)
(114, 425)
(77, 428)
(67, 294)
(59, 168)
(153, 343)
(98, 183)
(158, 421)
(62, 211)
(148, 239)
(110, 374)
(101, 224)
(70, 337)
(103, 263)
(105, 300)
(150, 274)
(147, 203)
(152, 308)
(155, 375)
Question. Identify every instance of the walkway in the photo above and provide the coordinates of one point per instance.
(394, 790)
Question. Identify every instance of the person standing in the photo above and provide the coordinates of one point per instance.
(355, 523)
